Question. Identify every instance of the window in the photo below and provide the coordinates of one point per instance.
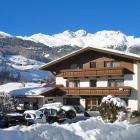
(120, 83)
(115, 82)
(93, 65)
(93, 83)
(35, 105)
(115, 64)
(108, 64)
(71, 101)
(73, 83)
(112, 64)
(28, 116)
(74, 66)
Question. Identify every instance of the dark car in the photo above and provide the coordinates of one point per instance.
(53, 114)
(3, 121)
(16, 119)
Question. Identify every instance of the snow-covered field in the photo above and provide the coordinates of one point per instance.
(90, 129)
(28, 68)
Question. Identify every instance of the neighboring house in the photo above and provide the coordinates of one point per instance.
(84, 77)
(31, 97)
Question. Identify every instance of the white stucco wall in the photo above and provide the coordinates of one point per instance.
(83, 103)
(55, 99)
(132, 81)
(138, 83)
(84, 82)
(60, 81)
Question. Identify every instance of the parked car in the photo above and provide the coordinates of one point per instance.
(3, 121)
(53, 114)
(34, 116)
(70, 111)
(94, 112)
(15, 119)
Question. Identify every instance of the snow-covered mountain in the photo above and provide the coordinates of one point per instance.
(102, 39)
(3, 34)
(109, 39)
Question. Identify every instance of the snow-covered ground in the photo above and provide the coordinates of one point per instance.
(90, 129)
(22, 63)
(28, 68)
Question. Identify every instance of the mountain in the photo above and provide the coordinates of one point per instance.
(108, 39)
(16, 46)
(49, 47)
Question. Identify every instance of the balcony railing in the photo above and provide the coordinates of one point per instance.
(119, 71)
(99, 91)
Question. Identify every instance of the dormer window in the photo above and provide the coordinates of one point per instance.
(113, 64)
(92, 64)
(74, 66)
(108, 64)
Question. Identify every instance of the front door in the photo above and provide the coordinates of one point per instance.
(91, 102)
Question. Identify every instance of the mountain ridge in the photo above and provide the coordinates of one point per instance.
(81, 38)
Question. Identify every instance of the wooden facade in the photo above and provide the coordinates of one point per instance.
(84, 57)
(92, 72)
(97, 91)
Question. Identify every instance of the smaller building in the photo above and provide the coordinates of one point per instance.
(31, 97)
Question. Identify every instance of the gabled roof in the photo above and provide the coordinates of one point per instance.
(102, 50)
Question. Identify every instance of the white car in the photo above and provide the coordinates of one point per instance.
(34, 116)
(70, 112)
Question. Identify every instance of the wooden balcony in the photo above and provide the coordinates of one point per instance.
(119, 71)
(97, 91)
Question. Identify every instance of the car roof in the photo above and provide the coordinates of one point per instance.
(33, 112)
(51, 107)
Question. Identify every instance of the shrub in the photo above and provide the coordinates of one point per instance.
(110, 107)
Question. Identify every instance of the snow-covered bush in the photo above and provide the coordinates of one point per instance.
(111, 106)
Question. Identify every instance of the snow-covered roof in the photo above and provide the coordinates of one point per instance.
(103, 50)
(32, 91)
(7, 88)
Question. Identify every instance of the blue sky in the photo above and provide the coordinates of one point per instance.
(26, 17)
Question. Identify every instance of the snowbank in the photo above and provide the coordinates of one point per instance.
(91, 129)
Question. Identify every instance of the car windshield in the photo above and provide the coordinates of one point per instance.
(53, 112)
(30, 116)
(94, 109)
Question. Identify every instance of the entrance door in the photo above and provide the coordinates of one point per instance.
(91, 102)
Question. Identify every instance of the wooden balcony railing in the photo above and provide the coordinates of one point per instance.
(119, 71)
(99, 91)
